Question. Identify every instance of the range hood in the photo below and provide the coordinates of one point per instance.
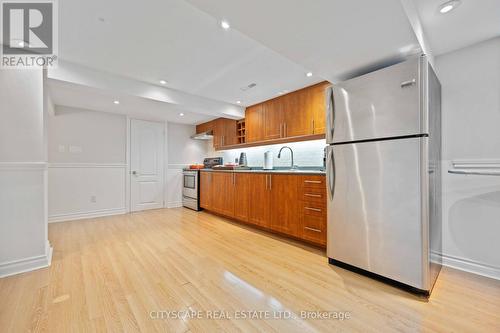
(203, 135)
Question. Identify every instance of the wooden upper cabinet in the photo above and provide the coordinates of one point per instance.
(254, 123)
(217, 133)
(299, 115)
(318, 107)
(224, 131)
(205, 127)
(298, 119)
(273, 119)
(230, 132)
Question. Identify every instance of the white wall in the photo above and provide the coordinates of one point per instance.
(96, 137)
(87, 170)
(182, 151)
(23, 216)
(470, 80)
(306, 153)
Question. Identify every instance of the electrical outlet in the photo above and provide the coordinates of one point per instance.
(93, 199)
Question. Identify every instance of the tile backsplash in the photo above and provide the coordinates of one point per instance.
(305, 153)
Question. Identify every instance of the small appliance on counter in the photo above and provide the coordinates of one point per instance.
(268, 160)
(243, 159)
(191, 182)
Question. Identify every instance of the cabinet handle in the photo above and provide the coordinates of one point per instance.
(312, 229)
(281, 131)
(267, 186)
(284, 130)
(313, 195)
(313, 126)
(270, 182)
(313, 209)
(312, 181)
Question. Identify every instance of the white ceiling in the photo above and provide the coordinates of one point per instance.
(473, 21)
(335, 39)
(270, 43)
(96, 99)
(172, 40)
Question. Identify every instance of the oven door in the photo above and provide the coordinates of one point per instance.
(190, 184)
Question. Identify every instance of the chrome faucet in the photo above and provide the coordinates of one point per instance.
(292, 166)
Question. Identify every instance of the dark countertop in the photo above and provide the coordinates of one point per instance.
(280, 170)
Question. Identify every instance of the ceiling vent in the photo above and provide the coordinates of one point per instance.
(250, 86)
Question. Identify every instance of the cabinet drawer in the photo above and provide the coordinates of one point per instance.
(313, 194)
(314, 229)
(308, 182)
(313, 209)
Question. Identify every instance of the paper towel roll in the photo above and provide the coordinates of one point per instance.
(268, 160)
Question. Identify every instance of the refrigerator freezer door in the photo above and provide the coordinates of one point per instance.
(381, 104)
(375, 208)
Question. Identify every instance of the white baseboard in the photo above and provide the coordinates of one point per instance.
(86, 215)
(26, 264)
(471, 266)
(174, 204)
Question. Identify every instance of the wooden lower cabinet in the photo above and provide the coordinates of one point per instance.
(293, 205)
(258, 199)
(241, 196)
(223, 193)
(285, 204)
(206, 190)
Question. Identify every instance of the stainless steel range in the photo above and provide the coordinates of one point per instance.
(191, 183)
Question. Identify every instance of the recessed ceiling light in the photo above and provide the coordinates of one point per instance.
(238, 102)
(449, 6)
(181, 114)
(163, 82)
(309, 74)
(116, 102)
(224, 24)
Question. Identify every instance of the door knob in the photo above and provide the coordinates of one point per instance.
(134, 173)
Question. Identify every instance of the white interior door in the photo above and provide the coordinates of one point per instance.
(146, 165)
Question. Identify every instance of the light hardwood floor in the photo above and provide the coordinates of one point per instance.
(108, 274)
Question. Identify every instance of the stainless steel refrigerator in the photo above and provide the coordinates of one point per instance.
(384, 174)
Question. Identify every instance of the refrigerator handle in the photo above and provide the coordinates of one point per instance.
(330, 114)
(330, 172)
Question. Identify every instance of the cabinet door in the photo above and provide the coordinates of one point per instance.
(254, 123)
(318, 107)
(273, 119)
(241, 195)
(223, 193)
(218, 132)
(206, 190)
(285, 203)
(297, 113)
(229, 134)
(258, 203)
(204, 127)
